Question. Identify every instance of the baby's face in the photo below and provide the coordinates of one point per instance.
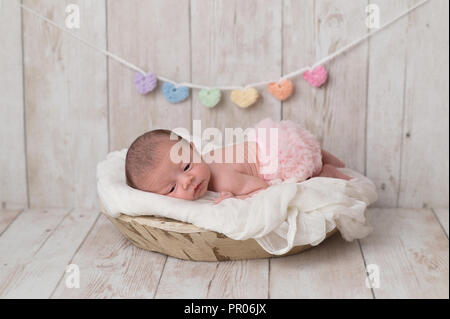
(185, 180)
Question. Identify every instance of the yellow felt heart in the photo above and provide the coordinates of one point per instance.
(244, 98)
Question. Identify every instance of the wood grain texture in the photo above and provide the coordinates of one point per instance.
(411, 251)
(334, 269)
(65, 98)
(300, 51)
(409, 246)
(22, 241)
(336, 112)
(425, 154)
(442, 215)
(385, 102)
(188, 242)
(240, 279)
(13, 184)
(185, 279)
(235, 42)
(39, 275)
(6, 218)
(56, 139)
(153, 35)
(231, 279)
(111, 267)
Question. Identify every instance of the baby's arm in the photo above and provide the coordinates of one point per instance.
(247, 184)
(242, 186)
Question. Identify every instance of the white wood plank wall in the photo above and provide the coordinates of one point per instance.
(13, 184)
(63, 106)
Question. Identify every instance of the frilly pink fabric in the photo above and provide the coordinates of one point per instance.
(299, 154)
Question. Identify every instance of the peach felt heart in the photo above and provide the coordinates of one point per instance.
(244, 98)
(281, 90)
(316, 77)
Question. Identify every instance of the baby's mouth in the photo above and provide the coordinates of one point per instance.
(197, 188)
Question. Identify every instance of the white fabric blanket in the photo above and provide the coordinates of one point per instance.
(282, 216)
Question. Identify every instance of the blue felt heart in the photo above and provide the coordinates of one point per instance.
(175, 94)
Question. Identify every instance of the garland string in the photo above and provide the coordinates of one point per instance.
(233, 87)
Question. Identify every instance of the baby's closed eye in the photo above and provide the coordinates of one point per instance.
(185, 168)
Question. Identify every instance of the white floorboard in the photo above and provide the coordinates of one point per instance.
(409, 248)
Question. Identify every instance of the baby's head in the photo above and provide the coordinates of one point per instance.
(150, 167)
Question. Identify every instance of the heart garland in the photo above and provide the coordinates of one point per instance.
(282, 91)
(316, 77)
(146, 83)
(210, 98)
(244, 98)
(175, 94)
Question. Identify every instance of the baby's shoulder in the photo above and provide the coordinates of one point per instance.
(223, 176)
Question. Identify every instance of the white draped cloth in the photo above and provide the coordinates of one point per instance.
(284, 215)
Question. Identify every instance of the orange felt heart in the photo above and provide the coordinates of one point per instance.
(281, 90)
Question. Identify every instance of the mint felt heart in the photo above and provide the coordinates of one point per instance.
(175, 94)
(209, 98)
(145, 83)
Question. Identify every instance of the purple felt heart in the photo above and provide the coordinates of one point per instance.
(145, 83)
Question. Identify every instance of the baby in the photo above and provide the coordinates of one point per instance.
(150, 166)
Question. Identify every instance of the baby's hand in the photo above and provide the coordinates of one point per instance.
(223, 195)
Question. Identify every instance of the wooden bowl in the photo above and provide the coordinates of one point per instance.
(189, 242)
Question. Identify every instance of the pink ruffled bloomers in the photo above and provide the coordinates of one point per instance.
(297, 155)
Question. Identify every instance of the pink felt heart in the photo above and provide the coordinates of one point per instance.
(145, 83)
(316, 77)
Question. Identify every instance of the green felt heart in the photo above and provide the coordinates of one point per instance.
(209, 98)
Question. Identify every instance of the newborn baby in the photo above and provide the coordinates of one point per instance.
(150, 166)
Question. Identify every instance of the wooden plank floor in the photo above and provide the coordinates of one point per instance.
(407, 256)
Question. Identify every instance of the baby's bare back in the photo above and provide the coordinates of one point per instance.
(241, 180)
(237, 170)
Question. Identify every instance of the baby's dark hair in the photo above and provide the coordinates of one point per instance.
(142, 155)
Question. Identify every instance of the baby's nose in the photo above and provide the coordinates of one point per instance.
(187, 181)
